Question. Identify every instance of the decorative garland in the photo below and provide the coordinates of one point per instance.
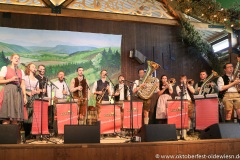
(211, 11)
(192, 38)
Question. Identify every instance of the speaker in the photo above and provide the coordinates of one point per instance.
(138, 56)
(81, 134)
(222, 130)
(158, 132)
(9, 134)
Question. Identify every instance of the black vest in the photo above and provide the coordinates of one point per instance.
(100, 86)
(200, 83)
(125, 92)
(226, 82)
(42, 84)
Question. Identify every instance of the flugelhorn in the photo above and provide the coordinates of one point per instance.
(172, 81)
(190, 82)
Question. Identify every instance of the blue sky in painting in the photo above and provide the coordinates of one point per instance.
(51, 38)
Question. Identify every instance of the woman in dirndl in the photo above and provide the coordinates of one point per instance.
(165, 91)
(12, 95)
(32, 91)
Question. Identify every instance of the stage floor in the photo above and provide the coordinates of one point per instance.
(110, 138)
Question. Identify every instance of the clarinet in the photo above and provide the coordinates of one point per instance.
(30, 101)
(18, 83)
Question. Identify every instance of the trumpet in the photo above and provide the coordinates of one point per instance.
(190, 82)
(100, 97)
(172, 81)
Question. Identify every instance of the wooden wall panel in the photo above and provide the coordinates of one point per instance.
(140, 151)
(140, 36)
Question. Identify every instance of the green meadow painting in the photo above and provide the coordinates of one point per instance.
(65, 51)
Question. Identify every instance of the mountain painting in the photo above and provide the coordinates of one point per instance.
(64, 51)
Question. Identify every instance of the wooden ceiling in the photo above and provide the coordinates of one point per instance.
(146, 11)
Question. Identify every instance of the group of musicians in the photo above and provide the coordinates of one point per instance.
(21, 88)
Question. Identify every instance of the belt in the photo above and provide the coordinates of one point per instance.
(12, 83)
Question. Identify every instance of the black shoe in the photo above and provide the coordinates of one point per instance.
(190, 132)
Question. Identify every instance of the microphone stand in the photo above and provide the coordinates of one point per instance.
(51, 104)
(88, 88)
(51, 100)
(114, 104)
(131, 109)
(181, 95)
(71, 98)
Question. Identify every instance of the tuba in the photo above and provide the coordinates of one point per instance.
(210, 78)
(151, 82)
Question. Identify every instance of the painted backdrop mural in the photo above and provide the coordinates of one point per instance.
(64, 50)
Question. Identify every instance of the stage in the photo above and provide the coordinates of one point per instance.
(116, 148)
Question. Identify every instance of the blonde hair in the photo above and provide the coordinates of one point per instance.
(14, 54)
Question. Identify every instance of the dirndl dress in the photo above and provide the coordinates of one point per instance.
(11, 98)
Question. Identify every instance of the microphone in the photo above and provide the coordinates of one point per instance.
(23, 64)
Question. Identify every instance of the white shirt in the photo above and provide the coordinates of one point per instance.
(31, 84)
(186, 94)
(121, 88)
(220, 83)
(3, 72)
(58, 92)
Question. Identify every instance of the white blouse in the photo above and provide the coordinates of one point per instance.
(3, 72)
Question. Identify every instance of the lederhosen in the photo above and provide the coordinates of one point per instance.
(146, 102)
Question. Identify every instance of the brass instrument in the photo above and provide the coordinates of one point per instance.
(172, 81)
(190, 82)
(150, 82)
(236, 75)
(208, 79)
(100, 97)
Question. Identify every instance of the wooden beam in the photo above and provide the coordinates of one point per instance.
(172, 7)
(205, 26)
(66, 3)
(85, 14)
(48, 3)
